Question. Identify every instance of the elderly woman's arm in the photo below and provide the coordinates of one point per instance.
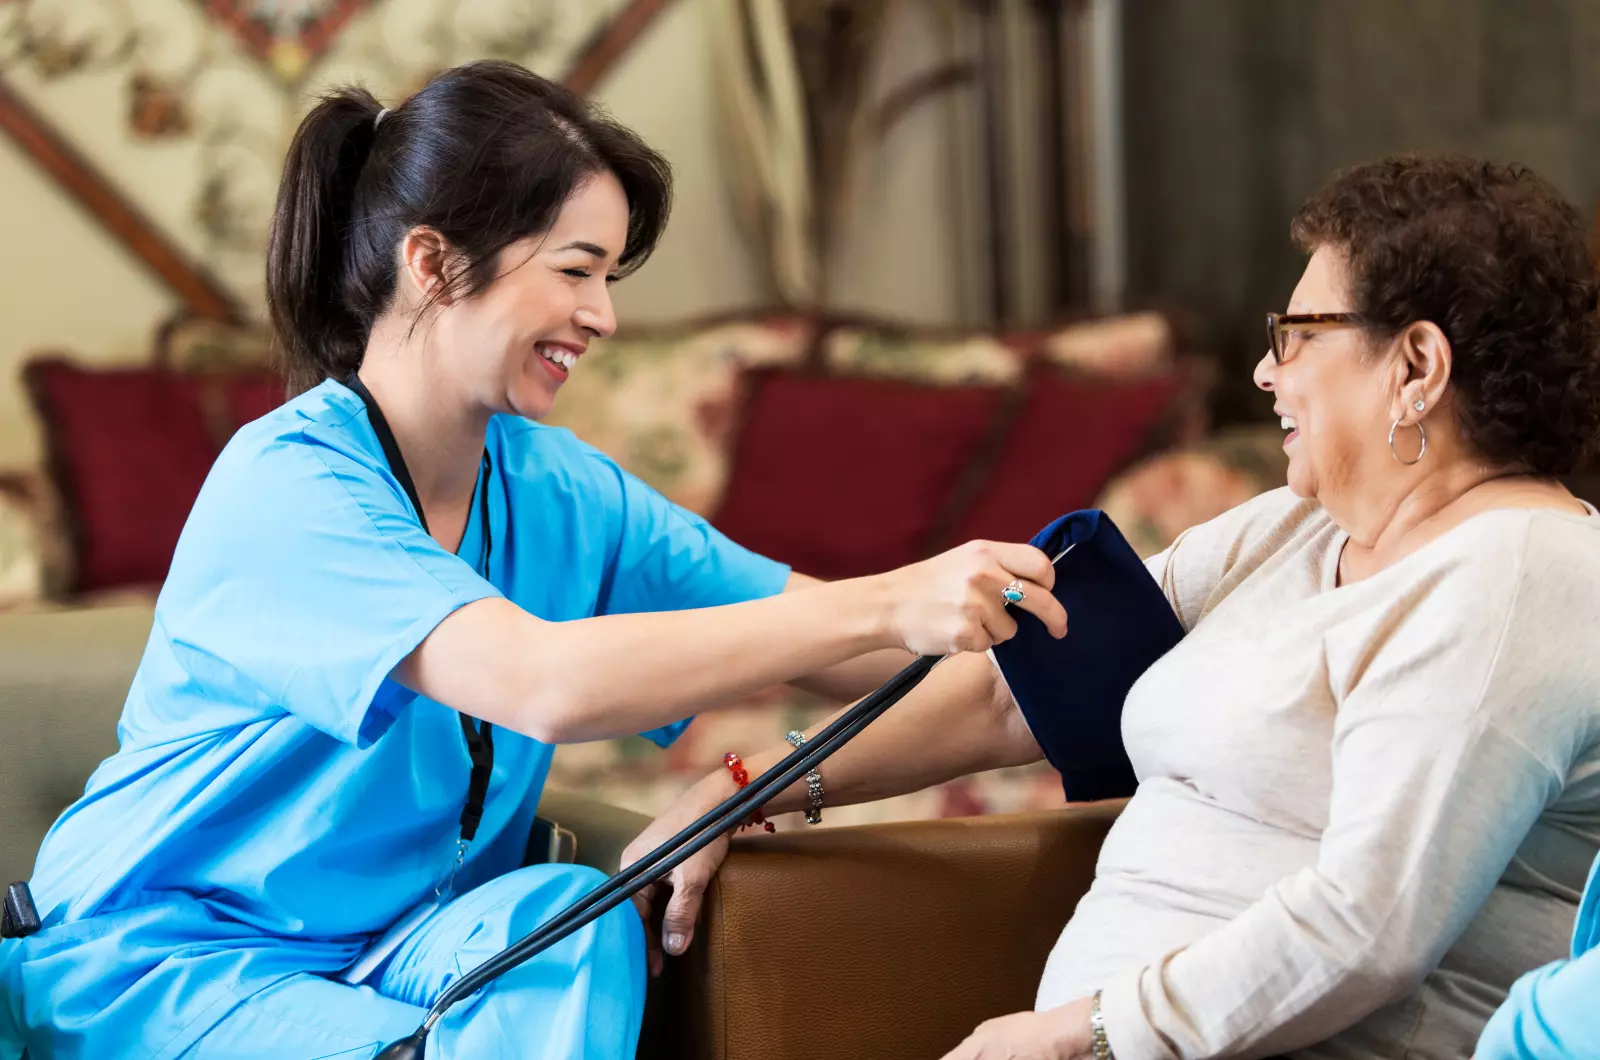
(960, 720)
(1442, 760)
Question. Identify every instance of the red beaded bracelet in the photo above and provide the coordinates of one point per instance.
(741, 777)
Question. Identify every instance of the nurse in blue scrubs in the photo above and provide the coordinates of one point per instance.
(393, 595)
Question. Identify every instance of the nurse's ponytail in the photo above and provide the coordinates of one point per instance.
(486, 154)
(322, 330)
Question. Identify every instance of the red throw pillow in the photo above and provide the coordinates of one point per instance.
(129, 449)
(841, 476)
(1071, 435)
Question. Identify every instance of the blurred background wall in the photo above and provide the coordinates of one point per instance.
(1236, 110)
(69, 284)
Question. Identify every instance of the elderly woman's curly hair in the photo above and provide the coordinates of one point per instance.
(1495, 257)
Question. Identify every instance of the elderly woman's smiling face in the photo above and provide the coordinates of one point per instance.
(1334, 390)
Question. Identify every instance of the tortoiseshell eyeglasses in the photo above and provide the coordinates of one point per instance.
(1278, 324)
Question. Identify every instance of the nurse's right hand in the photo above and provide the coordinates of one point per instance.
(952, 603)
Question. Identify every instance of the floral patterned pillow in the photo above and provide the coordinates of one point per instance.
(959, 360)
(1155, 501)
(1122, 345)
(1129, 344)
(21, 566)
(35, 555)
(664, 407)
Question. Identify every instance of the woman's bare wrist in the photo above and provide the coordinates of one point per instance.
(789, 800)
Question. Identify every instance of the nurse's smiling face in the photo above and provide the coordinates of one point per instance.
(509, 347)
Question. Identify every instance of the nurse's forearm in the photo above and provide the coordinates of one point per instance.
(563, 682)
(960, 720)
(599, 677)
(850, 680)
(853, 678)
(633, 672)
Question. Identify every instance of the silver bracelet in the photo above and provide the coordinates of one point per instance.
(813, 780)
(1097, 1028)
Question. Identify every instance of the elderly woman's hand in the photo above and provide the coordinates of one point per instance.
(1057, 1034)
(688, 882)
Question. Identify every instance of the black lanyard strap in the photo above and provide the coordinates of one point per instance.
(480, 748)
(479, 738)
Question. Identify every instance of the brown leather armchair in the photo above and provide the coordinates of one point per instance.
(886, 941)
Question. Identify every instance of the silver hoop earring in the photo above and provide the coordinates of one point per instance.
(1420, 433)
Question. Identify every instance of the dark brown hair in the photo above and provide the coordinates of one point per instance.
(1500, 262)
(487, 153)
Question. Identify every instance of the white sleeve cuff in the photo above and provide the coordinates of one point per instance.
(1128, 1030)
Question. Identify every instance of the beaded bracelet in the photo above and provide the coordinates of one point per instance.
(741, 777)
(813, 780)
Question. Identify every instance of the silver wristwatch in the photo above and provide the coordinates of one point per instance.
(1097, 1028)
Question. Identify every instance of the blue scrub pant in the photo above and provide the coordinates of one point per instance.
(582, 999)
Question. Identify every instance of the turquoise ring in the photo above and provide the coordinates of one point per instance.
(1013, 593)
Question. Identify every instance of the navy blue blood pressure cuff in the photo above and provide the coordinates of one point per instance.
(1071, 691)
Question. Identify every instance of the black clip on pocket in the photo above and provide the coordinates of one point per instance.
(19, 917)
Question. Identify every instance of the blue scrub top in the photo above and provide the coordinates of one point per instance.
(277, 799)
(1552, 1013)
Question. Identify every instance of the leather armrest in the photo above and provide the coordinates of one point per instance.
(890, 941)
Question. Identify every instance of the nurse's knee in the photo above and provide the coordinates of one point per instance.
(537, 890)
(577, 880)
(552, 888)
(619, 929)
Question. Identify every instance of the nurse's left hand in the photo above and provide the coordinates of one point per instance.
(688, 882)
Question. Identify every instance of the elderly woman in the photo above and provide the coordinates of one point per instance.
(1370, 773)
